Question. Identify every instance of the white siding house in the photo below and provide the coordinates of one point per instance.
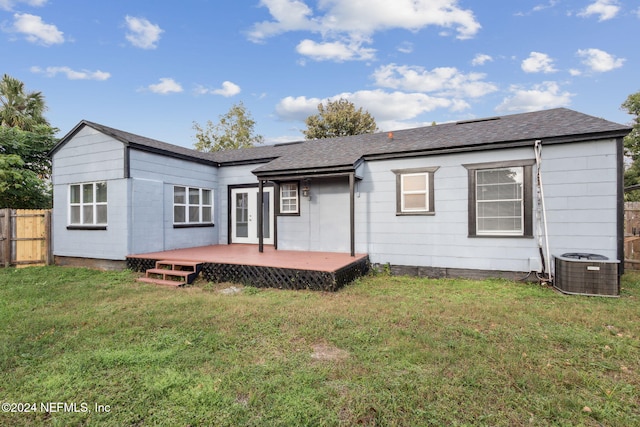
(454, 199)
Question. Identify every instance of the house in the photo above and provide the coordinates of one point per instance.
(456, 199)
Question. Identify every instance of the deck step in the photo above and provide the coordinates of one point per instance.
(171, 283)
(167, 272)
(184, 271)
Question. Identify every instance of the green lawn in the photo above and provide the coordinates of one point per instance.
(384, 351)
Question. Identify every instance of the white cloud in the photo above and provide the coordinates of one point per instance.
(605, 9)
(385, 107)
(481, 59)
(72, 74)
(142, 33)
(356, 21)
(599, 61)
(538, 63)
(538, 97)
(336, 51)
(366, 17)
(405, 47)
(9, 4)
(227, 90)
(444, 81)
(166, 86)
(37, 31)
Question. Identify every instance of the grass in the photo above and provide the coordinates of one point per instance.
(384, 351)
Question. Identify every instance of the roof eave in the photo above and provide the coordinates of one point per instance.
(564, 139)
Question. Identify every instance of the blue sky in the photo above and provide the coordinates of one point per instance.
(153, 68)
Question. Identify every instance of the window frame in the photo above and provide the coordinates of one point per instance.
(527, 197)
(429, 174)
(81, 204)
(187, 205)
(281, 211)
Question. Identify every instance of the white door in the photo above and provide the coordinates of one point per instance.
(244, 215)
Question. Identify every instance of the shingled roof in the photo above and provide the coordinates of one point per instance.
(341, 155)
(558, 125)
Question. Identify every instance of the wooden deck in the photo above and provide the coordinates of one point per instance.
(236, 263)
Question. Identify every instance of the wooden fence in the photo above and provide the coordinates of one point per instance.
(632, 235)
(25, 237)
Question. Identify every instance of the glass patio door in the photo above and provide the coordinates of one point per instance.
(244, 215)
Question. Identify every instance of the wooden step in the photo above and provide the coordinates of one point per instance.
(166, 272)
(185, 271)
(162, 282)
(193, 265)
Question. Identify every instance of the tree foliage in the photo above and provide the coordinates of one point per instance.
(632, 146)
(234, 130)
(339, 118)
(25, 167)
(18, 108)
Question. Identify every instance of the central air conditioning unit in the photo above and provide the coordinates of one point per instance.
(586, 274)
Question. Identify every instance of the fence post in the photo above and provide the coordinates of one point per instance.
(47, 235)
(6, 237)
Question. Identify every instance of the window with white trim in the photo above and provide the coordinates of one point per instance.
(414, 191)
(88, 204)
(289, 198)
(192, 205)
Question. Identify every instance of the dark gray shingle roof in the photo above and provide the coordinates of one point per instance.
(342, 154)
(556, 125)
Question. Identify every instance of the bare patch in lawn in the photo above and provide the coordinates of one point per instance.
(325, 351)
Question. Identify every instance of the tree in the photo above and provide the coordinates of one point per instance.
(632, 146)
(235, 130)
(18, 108)
(339, 118)
(25, 167)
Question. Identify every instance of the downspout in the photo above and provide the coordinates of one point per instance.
(543, 232)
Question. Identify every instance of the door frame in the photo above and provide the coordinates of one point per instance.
(231, 189)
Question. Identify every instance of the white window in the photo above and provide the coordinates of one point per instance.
(414, 191)
(500, 201)
(289, 198)
(414, 188)
(88, 204)
(192, 205)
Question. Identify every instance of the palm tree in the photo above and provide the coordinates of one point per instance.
(18, 108)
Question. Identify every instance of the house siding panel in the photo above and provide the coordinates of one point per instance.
(582, 186)
(153, 178)
(323, 224)
(90, 157)
(109, 244)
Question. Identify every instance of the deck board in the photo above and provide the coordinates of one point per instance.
(325, 271)
(249, 255)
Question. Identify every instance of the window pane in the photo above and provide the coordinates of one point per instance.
(74, 196)
(288, 205)
(194, 214)
(178, 214)
(206, 197)
(288, 190)
(179, 195)
(101, 212)
(87, 193)
(415, 201)
(414, 182)
(206, 214)
(101, 192)
(87, 214)
(75, 212)
(194, 196)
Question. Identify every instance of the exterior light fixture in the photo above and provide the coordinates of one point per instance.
(305, 188)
